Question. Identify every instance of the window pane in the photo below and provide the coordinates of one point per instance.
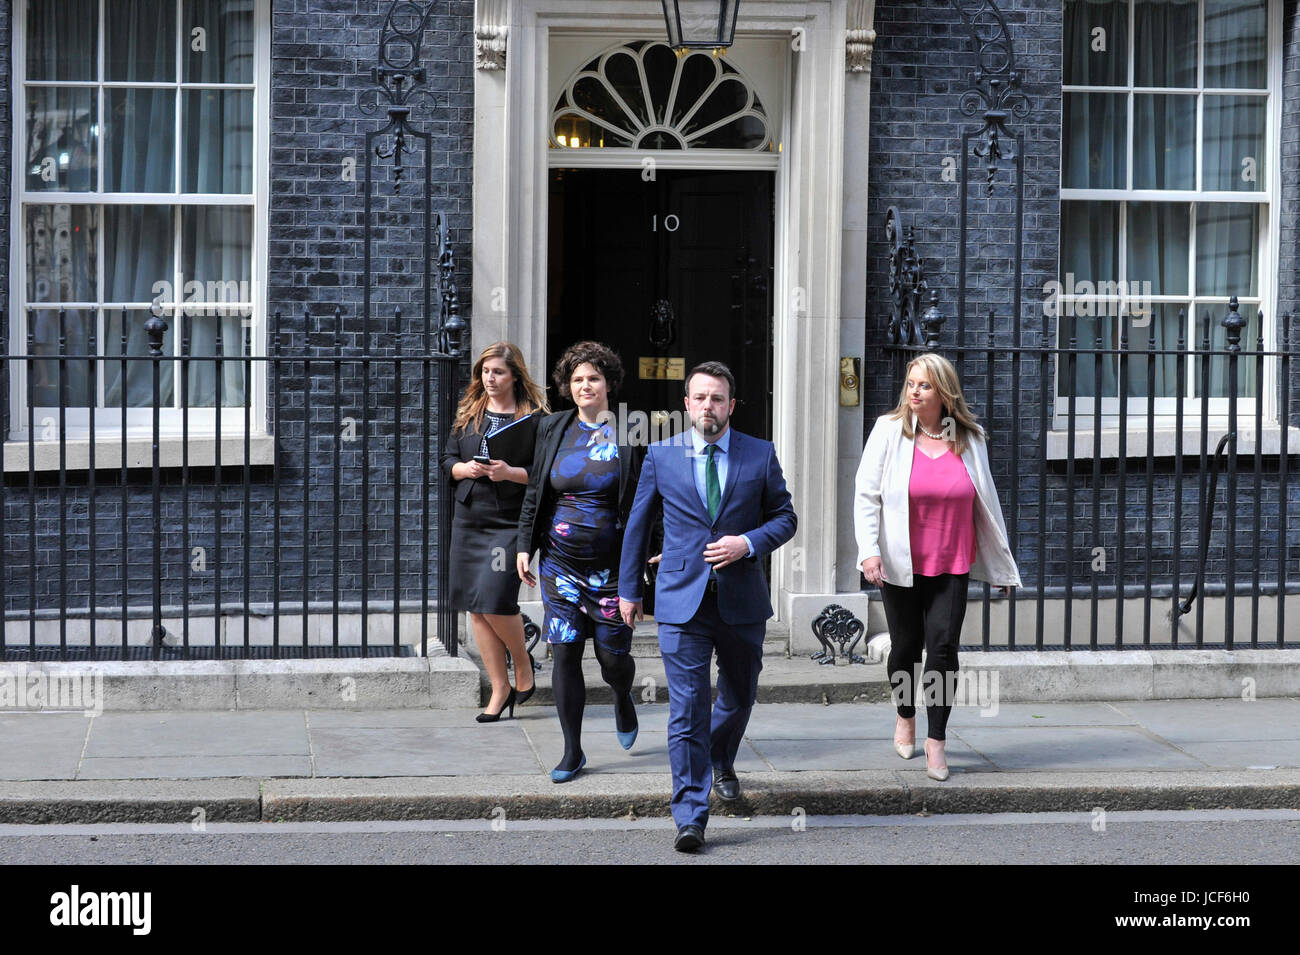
(1159, 243)
(698, 73)
(204, 382)
(139, 371)
(1213, 316)
(1096, 125)
(745, 132)
(140, 41)
(574, 131)
(1236, 53)
(1089, 243)
(1227, 237)
(216, 248)
(139, 143)
(1158, 329)
(62, 39)
(1096, 43)
(1164, 131)
(137, 253)
(221, 51)
(622, 73)
(63, 128)
(593, 96)
(1234, 143)
(728, 98)
(1164, 42)
(45, 370)
(218, 141)
(1086, 331)
(61, 263)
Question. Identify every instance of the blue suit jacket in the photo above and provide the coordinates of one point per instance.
(755, 502)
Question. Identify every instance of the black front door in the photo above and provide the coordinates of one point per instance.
(669, 272)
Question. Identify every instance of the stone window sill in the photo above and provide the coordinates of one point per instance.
(139, 452)
(1165, 440)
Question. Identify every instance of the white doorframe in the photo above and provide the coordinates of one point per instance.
(512, 118)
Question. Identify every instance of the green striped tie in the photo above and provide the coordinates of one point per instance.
(712, 490)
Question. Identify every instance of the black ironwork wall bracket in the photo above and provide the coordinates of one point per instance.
(399, 82)
(908, 325)
(995, 84)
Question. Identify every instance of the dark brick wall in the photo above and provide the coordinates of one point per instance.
(322, 51)
(923, 59)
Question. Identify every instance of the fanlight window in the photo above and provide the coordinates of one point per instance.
(643, 96)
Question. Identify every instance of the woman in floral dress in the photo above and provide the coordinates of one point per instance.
(581, 488)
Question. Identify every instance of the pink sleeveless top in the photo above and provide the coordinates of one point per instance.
(941, 514)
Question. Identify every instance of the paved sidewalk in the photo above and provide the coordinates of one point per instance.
(410, 763)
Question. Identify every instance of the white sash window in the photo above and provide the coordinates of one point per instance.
(140, 157)
(1169, 192)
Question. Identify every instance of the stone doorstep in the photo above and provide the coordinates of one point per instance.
(442, 682)
(436, 682)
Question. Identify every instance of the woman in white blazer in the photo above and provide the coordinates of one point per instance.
(927, 520)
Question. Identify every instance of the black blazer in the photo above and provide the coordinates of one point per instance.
(540, 497)
(458, 448)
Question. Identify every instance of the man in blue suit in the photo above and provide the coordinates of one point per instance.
(725, 507)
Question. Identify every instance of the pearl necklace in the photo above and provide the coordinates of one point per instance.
(936, 437)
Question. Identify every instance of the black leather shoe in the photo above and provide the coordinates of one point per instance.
(726, 785)
(689, 838)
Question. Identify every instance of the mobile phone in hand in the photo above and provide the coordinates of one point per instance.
(483, 459)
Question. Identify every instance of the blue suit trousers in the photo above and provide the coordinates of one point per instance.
(697, 739)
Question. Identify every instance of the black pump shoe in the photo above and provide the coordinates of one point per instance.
(493, 717)
(526, 695)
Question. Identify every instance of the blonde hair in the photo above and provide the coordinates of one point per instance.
(943, 378)
(528, 396)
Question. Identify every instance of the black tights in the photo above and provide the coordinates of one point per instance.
(618, 669)
(928, 614)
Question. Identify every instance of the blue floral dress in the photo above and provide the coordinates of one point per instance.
(579, 562)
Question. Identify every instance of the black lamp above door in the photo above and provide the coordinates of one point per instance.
(700, 24)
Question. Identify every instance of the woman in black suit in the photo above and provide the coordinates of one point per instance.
(488, 499)
(581, 487)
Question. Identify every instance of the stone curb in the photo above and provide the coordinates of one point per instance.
(130, 801)
(629, 795)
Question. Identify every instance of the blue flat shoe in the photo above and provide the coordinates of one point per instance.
(627, 739)
(564, 775)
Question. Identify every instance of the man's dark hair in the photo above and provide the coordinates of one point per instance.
(603, 358)
(714, 369)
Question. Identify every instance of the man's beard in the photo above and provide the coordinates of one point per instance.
(709, 425)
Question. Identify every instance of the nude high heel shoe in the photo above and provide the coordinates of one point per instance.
(939, 773)
(905, 748)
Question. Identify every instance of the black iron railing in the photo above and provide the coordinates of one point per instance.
(1160, 547)
(157, 546)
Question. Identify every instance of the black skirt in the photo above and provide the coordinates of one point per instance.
(483, 542)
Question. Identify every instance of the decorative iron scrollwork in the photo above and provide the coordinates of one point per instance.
(532, 633)
(837, 625)
(397, 80)
(995, 83)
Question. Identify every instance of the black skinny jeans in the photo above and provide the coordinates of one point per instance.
(927, 615)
